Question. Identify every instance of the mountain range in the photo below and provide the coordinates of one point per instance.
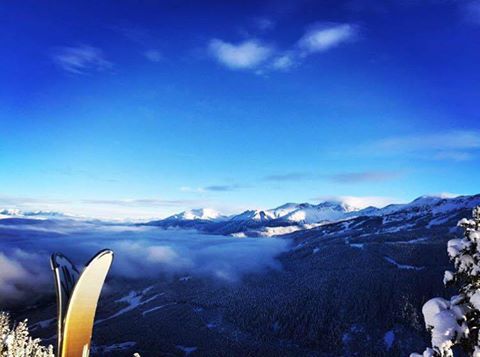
(299, 216)
(351, 282)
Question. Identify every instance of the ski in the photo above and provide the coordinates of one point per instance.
(77, 297)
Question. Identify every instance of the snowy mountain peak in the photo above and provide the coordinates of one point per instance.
(254, 215)
(285, 209)
(324, 211)
(10, 212)
(206, 214)
(337, 206)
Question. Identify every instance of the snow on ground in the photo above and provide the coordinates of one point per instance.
(411, 241)
(357, 245)
(438, 221)
(402, 266)
(211, 325)
(388, 339)
(42, 324)
(112, 348)
(157, 308)
(205, 214)
(276, 231)
(134, 300)
(187, 350)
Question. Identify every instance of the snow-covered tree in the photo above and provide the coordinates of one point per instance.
(456, 322)
(15, 341)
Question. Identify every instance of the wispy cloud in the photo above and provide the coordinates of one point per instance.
(263, 23)
(458, 145)
(192, 189)
(153, 55)
(212, 188)
(290, 176)
(142, 202)
(439, 141)
(81, 59)
(454, 155)
(471, 10)
(285, 61)
(365, 176)
(244, 55)
(341, 177)
(222, 188)
(324, 36)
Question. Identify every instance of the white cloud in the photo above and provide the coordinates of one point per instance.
(262, 57)
(141, 252)
(17, 281)
(245, 55)
(322, 37)
(153, 55)
(81, 59)
(284, 62)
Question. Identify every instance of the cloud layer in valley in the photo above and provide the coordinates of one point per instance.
(140, 253)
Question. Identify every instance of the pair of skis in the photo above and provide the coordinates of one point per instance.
(77, 298)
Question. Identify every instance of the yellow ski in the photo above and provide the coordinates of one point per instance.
(76, 324)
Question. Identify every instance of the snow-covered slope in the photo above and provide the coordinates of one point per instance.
(253, 215)
(205, 214)
(325, 211)
(287, 208)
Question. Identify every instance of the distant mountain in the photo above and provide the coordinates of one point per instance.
(253, 215)
(287, 218)
(205, 214)
(10, 212)
(31, 214)
(292, 217)
(325, 211)
(352, 286)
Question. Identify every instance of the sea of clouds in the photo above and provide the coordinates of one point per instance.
(140, 252)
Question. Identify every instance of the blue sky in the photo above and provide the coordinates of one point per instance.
(145, 108)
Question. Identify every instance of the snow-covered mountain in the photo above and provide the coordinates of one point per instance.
(301, 213)
(205, 214)
(10, 212)
(253, 215)
(292, 217)
(284, 219)
(16, 213)
(325, 211)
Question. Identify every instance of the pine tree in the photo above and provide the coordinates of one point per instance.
(16, 340)
(456, 322)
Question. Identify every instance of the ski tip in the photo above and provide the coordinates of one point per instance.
(58, 260)
(55, 258)
(100, 254)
